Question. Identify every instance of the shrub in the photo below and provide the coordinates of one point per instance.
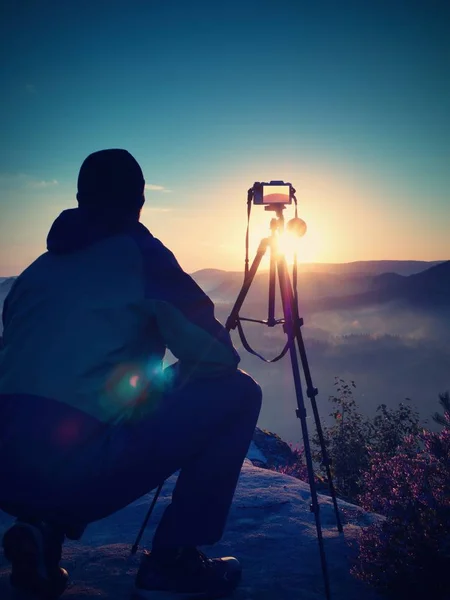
(444, 401)
(407, 555)
(353, 438)
(296, 465)
(345, 442)
(391, 427)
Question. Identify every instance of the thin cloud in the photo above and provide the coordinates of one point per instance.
(156, 188)
(18, 181)
(42, 183)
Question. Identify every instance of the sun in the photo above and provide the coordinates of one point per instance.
(288, 245)
(307, 248)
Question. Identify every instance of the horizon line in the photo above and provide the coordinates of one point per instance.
(311, 263)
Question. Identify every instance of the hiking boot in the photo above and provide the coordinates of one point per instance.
(34, 551)
(187, 572)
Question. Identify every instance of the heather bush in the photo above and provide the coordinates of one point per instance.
(406, 556)
(353, 438)
(390, 427)
(296, 465)
(345, 442)
(444, 401)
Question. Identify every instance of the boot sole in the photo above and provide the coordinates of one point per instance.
(23, 547)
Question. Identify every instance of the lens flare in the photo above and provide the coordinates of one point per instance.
(134, 381)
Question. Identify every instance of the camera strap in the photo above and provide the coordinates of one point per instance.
(247, 234)
(294, 279)
(294, 268)
(250, 349)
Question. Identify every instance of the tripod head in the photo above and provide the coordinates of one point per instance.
(277, 223)
(295, 227)
(274, 196)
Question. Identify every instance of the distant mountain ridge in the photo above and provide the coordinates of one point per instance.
(324, 287)
(361, 267)
(427, 289)
(416, 283)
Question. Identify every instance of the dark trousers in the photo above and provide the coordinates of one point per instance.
(202, 429)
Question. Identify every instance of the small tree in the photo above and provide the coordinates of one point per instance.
(354, 439)
(390, 427)
(444, 400)
(345, 441)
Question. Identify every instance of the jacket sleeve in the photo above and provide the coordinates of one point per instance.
(6, 303)
(5, 307)
(185, 317)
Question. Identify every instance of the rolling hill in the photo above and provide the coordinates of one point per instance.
(428, 289)
(347, 286)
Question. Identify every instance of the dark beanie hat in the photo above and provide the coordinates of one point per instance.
(111, 179)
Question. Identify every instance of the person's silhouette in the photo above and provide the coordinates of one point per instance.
(89, 419)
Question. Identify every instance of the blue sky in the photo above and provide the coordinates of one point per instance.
(348, 100)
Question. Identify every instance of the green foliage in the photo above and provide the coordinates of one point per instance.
(345, 441)
(444, 400)
(352, 437)
(407, 555)
(392, 466)
(390, 427)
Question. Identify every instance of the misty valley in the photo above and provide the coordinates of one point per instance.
(382, 324)
(386, 331)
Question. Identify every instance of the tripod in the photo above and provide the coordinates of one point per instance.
(292, 324)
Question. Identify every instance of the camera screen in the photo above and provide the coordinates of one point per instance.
(276, 194)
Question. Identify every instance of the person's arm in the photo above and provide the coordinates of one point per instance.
(185, 316)
(6, 303)
(5, 306)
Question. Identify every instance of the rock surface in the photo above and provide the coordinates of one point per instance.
(270, 529)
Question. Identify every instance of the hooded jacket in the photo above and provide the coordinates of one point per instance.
(88, 323)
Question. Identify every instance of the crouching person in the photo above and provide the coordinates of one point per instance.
(89, 419)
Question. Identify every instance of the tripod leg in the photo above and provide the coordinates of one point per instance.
(289, 312)
(234, 315)
(146, 520)
(312, 392)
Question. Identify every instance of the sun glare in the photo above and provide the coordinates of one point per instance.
(289, 245)
(335, 205)
(308, 248)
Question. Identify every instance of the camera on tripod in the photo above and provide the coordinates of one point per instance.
(274, 196)
(275, 192)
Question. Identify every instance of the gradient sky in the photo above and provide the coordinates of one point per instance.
(347, 100)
